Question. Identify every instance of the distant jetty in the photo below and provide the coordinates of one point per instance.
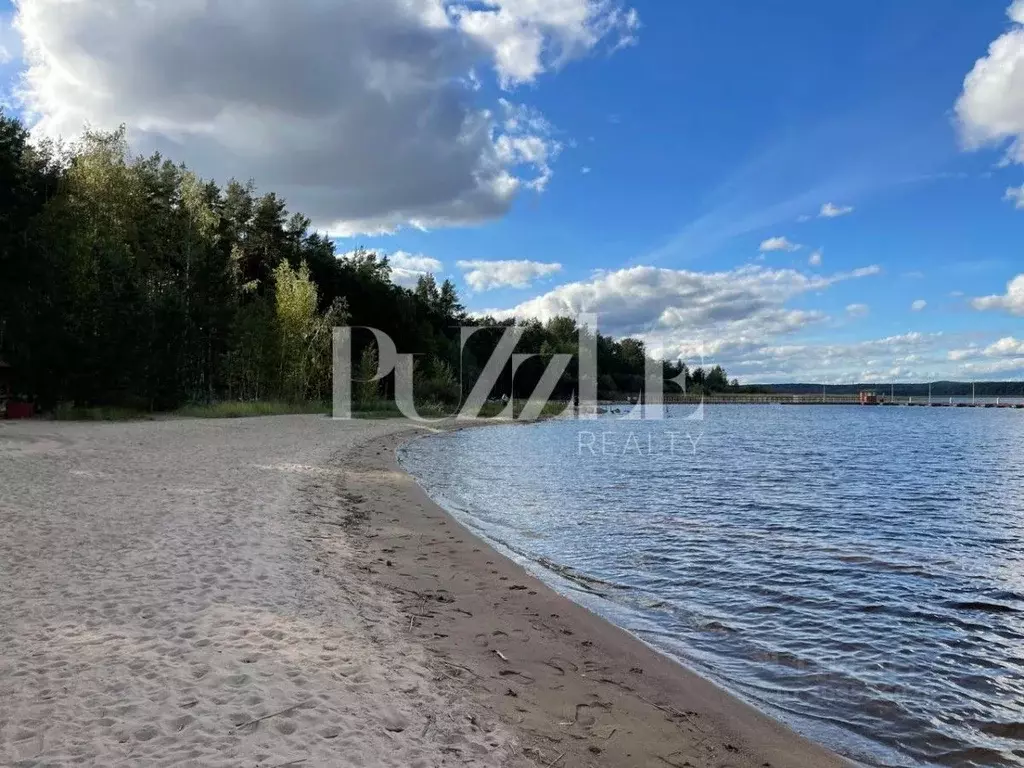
(867, 399)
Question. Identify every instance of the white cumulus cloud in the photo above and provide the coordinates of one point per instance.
(1009, 367)
(779, 244)
(680, 312)
(910, 356)
(956, 355)
(744, 319)
(1016, 196)
(919, 305)
(815, 258)
(990, 109)
(833, 211)
(486, 275)
(365, 114)
(906, 357)
(1006, 347)
(528, 37)
(408, 268)
(1012, 301)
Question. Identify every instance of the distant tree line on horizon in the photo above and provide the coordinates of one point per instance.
(130, 281)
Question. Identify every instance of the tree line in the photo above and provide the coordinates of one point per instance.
(131, 281)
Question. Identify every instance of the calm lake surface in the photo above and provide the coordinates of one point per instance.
(856, 572)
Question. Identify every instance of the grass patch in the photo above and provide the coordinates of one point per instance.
(550, 410)
(223, 410)
(244, 410)
(383, 409)
(386, 409)
(67, 412)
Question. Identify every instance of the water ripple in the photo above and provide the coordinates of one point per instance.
(857, 572)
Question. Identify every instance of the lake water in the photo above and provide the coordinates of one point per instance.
(856, 572)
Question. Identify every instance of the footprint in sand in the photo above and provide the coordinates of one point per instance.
(199, 671)
(286, 727)
(146, 733)
(586, 714)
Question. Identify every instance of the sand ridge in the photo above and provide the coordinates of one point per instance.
(186, 593)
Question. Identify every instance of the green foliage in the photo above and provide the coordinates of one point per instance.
(437, 382)
(304, 335)
(130, 285)
(716, 380)
(251, 351)
(367, 392)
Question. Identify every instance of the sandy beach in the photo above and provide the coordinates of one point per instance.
(276, 592)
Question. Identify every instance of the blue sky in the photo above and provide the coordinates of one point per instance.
(639, 161)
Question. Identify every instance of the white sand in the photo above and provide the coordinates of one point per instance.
(164, 585)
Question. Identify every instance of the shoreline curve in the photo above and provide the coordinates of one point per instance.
(576, 688)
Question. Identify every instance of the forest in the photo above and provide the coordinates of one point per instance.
(132, 282)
